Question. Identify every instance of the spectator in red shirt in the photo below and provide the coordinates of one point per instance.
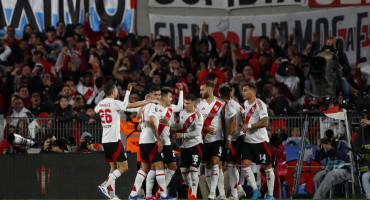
(11, 40)
(95, 36)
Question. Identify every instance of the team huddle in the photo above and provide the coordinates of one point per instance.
(214, 130)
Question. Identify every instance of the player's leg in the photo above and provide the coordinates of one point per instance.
(113, 153)
(207, 163)
(170, 161)
(221, 180)
(150, 179)
(247, 158)
(194, 169)
(215, 160)
(185, 168)
(112, 186)
(264, 157)
(160, 177)
(142, 173)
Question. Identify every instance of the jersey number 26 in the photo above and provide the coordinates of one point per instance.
(105, 116)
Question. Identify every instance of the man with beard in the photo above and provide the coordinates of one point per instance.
(211, 107)
(256, 147)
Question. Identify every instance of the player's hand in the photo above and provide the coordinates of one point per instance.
(160, 146)
(164, 122)
(327, 146)
(365, 122)
(176, 136)
(148, 97)
(154, 101)
(228, 144)
(179, 85)
(130, 86)
(209, 130)
(245, 128)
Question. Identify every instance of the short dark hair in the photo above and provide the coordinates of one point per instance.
(208, 84)
(190, 97)
(329, 133)
(251, 86)
(154, 88)
(279, 88)
(165, 92)
(108, 88)
(224, 90)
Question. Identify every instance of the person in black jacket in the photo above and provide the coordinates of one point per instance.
(63, 115)
(203, 54)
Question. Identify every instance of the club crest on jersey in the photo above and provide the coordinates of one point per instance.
(216, 108)
(160, 110)
(203, 108)
(191, 119)
(253, 109)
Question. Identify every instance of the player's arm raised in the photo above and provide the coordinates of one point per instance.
(180, 103)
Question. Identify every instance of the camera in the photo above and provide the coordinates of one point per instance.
(62, 143)
(19, 140)
(283, 66)
(89, 139)
(324, 141)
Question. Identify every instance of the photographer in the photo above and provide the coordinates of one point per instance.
(87, 143)
(362, 143)
(52, 144)
(336, 171)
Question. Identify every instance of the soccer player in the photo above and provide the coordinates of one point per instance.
(256, 146)
(162, 117)
(235, 138)
(147, 139)
(191, 125)
(109, 110)
(211, 107)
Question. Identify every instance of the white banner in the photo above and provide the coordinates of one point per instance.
(40, 14)
(351, 25)
(224, 4)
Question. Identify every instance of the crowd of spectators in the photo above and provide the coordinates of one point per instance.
(61, 72)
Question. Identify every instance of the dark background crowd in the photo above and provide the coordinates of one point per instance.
(60, 73)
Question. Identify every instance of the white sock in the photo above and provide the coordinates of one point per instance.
(149, 183)
(239, 186)
(113, 176)
(208, 177)
(270, 179)
(220, 183)
(185, 175)
(233, 181)
(168, 176)
(160, 176)
(214, 178)
(140, 177)
(194, 179)
(250, 177)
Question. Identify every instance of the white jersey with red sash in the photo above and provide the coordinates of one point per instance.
(164, 113)
(253, 113)
(89, 92)
(233, 108)
(146, 135)
(192, 125)
(212, 118)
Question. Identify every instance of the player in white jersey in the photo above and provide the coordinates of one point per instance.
(235, 138)
(162, 116)
(191, 125)
(256, 147)
(211, 107)
(109, 110)
(147, 144)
